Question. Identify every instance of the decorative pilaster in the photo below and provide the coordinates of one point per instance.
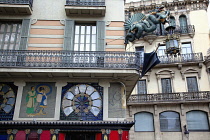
(59, 85)
(20, 85)
(105, 85)
(157, 123)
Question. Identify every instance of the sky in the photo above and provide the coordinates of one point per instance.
(208, 11)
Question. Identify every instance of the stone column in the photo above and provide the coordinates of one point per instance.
(59, 85)
(20, 85)
(105, 85)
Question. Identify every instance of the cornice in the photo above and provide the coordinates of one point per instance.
(175, 5)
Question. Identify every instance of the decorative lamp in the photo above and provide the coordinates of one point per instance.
(172, 41)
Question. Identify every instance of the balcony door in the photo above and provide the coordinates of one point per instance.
(192, 84)
(166, 85)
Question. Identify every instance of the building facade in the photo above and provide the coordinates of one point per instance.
(172, 100)
(64, 70)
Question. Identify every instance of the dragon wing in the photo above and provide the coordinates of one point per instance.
(134, 19)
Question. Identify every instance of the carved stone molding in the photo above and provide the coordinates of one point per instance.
(150, 38)
(62, 22)
(164, 72)
(33, 21)
(189, 71)
(108, 23)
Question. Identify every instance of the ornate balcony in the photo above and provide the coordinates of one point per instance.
(17, 7)
(85, 8)
(181, 97)
(181, 59)
(68, 59)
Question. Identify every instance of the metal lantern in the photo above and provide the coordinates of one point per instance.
(172, 42)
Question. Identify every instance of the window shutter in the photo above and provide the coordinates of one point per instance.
(69, 35)
(100, 46)
(24, 34)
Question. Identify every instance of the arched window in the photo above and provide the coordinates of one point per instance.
(172, 21)
(144, 121)
(197, 121)
(183, 24)
(169, 121)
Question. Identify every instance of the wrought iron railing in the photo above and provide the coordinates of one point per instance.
(182, 58)
(169, 97)
(179, 30)
(85, 2)
(69, 59)
(30, 2)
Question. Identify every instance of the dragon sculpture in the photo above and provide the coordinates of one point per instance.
(140, 23)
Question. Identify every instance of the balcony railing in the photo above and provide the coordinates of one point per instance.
(29, 2)
(85, 2)
(182, 58)
(169, 97)
(68, 59)
(190, 29)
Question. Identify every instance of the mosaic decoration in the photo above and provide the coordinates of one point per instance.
(81, 102)
(8, 93)
(38, 100)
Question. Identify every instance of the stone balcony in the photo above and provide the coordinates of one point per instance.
(94, 8)
(169, 98)
(16, 7)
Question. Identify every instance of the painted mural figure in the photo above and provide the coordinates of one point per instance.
(31, 100)
(42, 101)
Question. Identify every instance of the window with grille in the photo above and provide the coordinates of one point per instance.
(166, 85)
(142, 87)
(10, 35)
(169, 121)
(197, 121)
(85, 37)
(192, 84)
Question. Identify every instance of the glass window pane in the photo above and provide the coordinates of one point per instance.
(141, 86)
(76, 40)
(192, 84)
(76, 47)
(77, 29)
(82, 47)
(144, 122)
(166, 85)
(82, 30)
(88, 38)
(93, 47)
(87, 47)
(85, 37)
(197, 120)
(88, 29)
(93, 29)
(93, 38)
(169, 121)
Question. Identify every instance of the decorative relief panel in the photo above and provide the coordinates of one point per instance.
(117, 101)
